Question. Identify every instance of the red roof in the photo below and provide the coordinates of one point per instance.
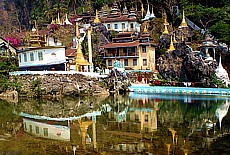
(70, 52)
(127, 44)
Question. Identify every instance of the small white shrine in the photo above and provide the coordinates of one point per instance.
(222, 74)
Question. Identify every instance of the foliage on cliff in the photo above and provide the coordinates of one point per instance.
(210, 15)
(7, 65)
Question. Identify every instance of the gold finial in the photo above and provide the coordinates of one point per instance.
(165, 25)
(183, 23)
(79, 45)
(58, 19)
(36, 26)
(53, 21)
(96, 20)
(174, 38)
(77, 30)
(145, 29)
(171, 47)
(142, 10)
(182, 38)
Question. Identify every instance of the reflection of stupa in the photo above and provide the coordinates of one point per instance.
(222, 111)
(222, 74)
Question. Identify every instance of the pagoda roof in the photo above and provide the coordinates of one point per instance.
(117, 45)
(71, 52)
(117, 19)
(124, 34)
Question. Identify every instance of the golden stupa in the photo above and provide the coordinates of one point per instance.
(145, 29)
(96, 20)
(171, 47)
(165, 26)
(174, 38)
(183, 23)
(79, 59)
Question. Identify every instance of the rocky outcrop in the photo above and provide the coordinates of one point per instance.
(59, 85)
(191, 66)
(10, 96)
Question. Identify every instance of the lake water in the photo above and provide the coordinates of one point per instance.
(129, 124)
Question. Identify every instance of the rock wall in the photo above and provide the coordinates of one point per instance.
(59, 85)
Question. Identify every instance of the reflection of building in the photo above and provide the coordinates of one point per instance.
(136, 120)
(68, 129)
(136, 147)
(222, 111)
(47, 129)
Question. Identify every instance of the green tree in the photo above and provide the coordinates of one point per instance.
(221, 31)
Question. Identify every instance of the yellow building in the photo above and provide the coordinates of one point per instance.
(134, 53)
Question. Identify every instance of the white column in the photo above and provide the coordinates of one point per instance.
(90, 51)
(94, 132)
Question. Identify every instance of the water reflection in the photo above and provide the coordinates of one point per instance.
(135, 123)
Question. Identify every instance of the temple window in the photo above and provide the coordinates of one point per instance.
(108, 26)
(40, 56)
(131, 25)
(30, 128)
(146, 118)
(31, 56)
(25, 127)
(134, 62)
(128, 117)
(129, 50)
(123, 25)
(126, 62)
(45, 132)
(25, 57)
(20, 58)
(146, 129)
(115, 26)
(143, 49)
(110, 62)
(112, 115)
(144, 62)
(37, 129)
(136, 117)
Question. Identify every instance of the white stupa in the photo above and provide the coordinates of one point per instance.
(152, 14)
(67, 22)
(222, 111)
(222, 74)
(147, 16)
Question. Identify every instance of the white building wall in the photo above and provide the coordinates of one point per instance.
(50, 56)
(136, 26)
(57, 132)
(50, 42)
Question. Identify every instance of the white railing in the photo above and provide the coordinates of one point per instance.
(91, 74)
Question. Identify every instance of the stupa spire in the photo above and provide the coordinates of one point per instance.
(96, 20)
(152, 14)
(147, 16)
(174, 38)
(183, 23)
(142, 10)
(165, 26)
(58, 19)
(171, 47)
(145, 29)
(77, 30)
(67, 20)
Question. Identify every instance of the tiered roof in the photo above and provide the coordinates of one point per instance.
(116, 16)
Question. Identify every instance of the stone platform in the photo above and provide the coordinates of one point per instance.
(178, 90)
